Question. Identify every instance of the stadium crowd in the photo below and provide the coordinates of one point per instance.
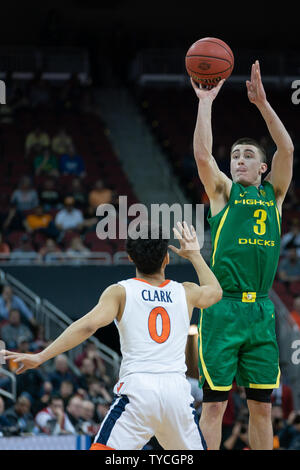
(52, 399)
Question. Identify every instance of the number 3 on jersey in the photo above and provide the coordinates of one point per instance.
(166, 325)
(260, 228)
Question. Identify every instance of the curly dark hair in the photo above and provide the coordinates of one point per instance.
(148, 251)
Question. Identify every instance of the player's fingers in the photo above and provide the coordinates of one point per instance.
(220, 84)
(177, 234)
(186, 230)
(193, 84)
(21, 369)
(180, 227)
(193, 231)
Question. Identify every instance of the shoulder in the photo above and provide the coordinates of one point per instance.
(114, 290)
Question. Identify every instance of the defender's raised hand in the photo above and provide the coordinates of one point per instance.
(255, 88)
(189, 244)
(210, 93)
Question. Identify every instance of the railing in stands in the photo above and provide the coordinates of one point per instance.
(12, 379)
(55, 322)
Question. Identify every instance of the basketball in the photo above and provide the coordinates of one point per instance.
(208, 61)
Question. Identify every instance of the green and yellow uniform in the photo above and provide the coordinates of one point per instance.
(237, 335)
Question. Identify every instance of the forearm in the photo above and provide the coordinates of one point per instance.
(203, 132)
(205, 275)
(75, 334)
(276, 128)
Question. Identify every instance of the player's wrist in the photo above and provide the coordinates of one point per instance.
(193, 255)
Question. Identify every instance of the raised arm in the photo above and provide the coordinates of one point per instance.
(107, 309)
(209, 291)
(216, 183)
(282, 163)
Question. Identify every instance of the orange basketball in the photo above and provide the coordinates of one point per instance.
(209, 60)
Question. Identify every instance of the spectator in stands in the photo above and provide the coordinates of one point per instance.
(69, 218)
(77, 251)
(71, 163)
(14, 330)
(91, 352)
(37, 220)
(295, 313)
(12, 219)
(97, 391)
(291, 239)
(102, 409)
(74, 412)
(292, 198)
(278, 423)
(4, 423)
(90, 220)
(88, 372)
(4, 248)
(61, 372)
(66, 391)
(61, 142)
(53, 419)
(88, 426)
(46, 163)
(40, 341)
(100, 195)
(35, 141)
(24, 252)
(238, 440)
(289, 267)
(283, 397)
(45, 396)
(25, 197)
(289, 436)
(9, 301)
(49, 195)
(78, 193)
(50, 252)
(20, 415)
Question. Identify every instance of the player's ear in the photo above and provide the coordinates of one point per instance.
(130, 259)
(263, 168)
(166, 259)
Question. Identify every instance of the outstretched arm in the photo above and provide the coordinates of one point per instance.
(209, 291)
(101, 315)
(282, 163)
(211, 177)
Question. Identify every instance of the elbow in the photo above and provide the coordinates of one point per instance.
(202, 156)
(218, 294)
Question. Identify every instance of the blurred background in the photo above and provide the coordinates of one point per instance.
(99, 105)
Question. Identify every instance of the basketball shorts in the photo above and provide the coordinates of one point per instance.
(147, 405)
(237, 340)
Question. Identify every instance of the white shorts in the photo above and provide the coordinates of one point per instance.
(148, 405)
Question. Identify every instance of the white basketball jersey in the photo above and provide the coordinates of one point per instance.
(154, 327)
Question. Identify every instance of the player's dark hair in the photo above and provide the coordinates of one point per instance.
(249, 141)
(148, 251)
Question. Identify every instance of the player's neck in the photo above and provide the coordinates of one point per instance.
(154, 279)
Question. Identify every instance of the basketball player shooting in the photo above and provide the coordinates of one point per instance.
(152, 314)
(237, 335)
